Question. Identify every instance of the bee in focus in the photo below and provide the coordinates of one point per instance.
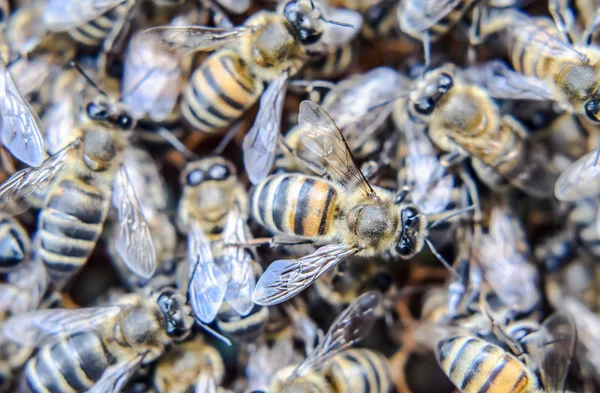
(98, 349)
(343, 211)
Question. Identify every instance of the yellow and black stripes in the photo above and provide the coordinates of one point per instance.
(70, 226)
(243, 328)
(476, 366)
(72, 364)
(219, 92)
(294, 204)
(14, 243)
(333, 64)
(94, 32)
(359, 371)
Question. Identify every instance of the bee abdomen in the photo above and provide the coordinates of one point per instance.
(244, 328)
(14, 243)
(73, 364)
(70, 225)
(360, 371)
(294, 204)
(476, 366)
(219, 92)
(527, 51)
(95, 31)
(333, 64)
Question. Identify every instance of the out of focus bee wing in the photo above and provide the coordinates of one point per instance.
(206, 382)
(29, 180)
(32, 279)
(201, 38)
(321, 135)
(30, 74)
(207, 282)
(438, 196)
(146, 179)
(115, 377)
(235, 6)
(133, 240)
(260, 142)
(59, 122)
(552, 348)
(31, 328)
(20, 123)
(502, 82)
(237, 264)
(336, 35)
(63, 15)
(426, 13)
(353, 324)
(581, 179)
(285, 278)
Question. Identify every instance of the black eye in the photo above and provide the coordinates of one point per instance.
(404, 247)
(309, 36)
(219, 172)
(125, 122)
(446, 83)
(195, 177)
(425, 107)
(591, 110)
(96, 112)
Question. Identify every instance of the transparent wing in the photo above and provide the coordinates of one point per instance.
(20, 124)
(133, 239)
(32, 328)
(27, 181)
(261, 141)
(30, 74)
(264, 362)
(146, 180)
(353, 324)
(235, 6)
(438, 197)
(63, 15)
(32, 281)
(552, 348)
(321, 135)
(59, 122)
(206, 382)
(201, 38)
(581, 179)
(502, 82)
(426, 13)
(208, 282)
(237, 264)
(115, 377)
(336, 35)
(285, 278)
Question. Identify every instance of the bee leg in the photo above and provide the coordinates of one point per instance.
(451, 159)
(272, 242)
(563, 18)
(426, 51)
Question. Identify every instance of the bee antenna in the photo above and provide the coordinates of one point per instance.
(334, 22)
(451, 215)
(176, 143)
(212, 332)
(387, 102)
(139, 83)
(440, 258)
(89, 80)
(231, 133)
(17, 59)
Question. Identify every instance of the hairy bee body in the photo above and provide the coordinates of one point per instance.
(14, 243)
(93, 33)
(476, 366)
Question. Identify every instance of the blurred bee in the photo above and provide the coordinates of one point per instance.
(81, 179)
(212, 212)
(463, 120)
(346, 213)
(98, 349)
(332, 367)
(15, 245)
(475, 365)
(187, 366)
(581, 179)
(269, 48)
(379, 15)
(264, 362)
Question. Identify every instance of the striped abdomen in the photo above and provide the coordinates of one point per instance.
(331, 65)
(476, 366)
(14, 243)
(94, 32)
(70, 225)
(359, 371)
(294, 204)
(219, 92)
(243, 328)
(72, 364)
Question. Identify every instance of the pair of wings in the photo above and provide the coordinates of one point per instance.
(133, 240)
(209, 283)
(285, 278)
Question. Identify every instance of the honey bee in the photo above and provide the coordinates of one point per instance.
(379, 15)
(475, 365)
(98, 349)
(346, 213)
(581, 179)
(464, 121)
(269, 48)
(80, 180)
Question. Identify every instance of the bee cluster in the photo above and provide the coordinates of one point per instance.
(310, 196)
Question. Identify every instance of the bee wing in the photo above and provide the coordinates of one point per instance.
(115, 377)
(438, 196)
(502, 82)
(133, 240)
(20, 123)
(426, 13)
(336, 35)
(321, 135)
(31, 328)
(353, 324)
(237, 264)
(552, 348)
(29, 180)
(206, 382)
(59, 122)
(30, 74)
(285, 278)
(32, 279)
(201, 38)
(581, 179)
(208, 282)
(260, 142)
(146, 180)
(235, 6)
(63, 15)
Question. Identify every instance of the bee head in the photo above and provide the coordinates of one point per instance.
(307, 20)
(412, 229)
(429, 92)
(101, 109)
(176, 313)
(209, 169)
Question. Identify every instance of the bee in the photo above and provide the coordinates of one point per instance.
(475, 365)
(581, 179)
(15, 245)
(80, 181)
(98, 349)
(345, 212)
(463, 120)
(379, 15)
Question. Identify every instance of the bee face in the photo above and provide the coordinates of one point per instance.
(434, 88)
(215, 169)
(412, 227)
(306, 19)
(101, 110)
(177, 316)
